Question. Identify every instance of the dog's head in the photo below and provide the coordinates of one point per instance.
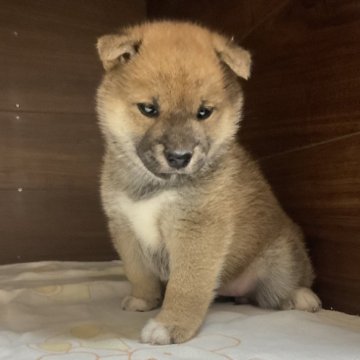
(170, 96)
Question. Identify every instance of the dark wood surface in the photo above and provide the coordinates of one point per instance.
(306, 77)
(52, 224)
(235, 18)
(50, 147)
(49, 151)
(48, 59)
(302, 119)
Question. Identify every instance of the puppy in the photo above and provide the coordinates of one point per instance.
(188, 209)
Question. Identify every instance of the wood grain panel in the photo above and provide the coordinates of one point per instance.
(48, 60)
(306, 77)
(237, 18)
(52, 225)
(49, 150)
(49, 143)
(320, 188)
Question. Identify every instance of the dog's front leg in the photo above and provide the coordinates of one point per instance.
(145, 286)
(195, 267)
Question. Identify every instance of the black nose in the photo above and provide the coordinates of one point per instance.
(178, 159)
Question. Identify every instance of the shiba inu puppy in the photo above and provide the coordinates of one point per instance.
(189, 211)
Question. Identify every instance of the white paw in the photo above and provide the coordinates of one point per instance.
(155, 333)
(131, 303)
(303, 299)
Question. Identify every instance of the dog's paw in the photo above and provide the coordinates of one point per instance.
(157, 333)
(303, 299)
(132, 303)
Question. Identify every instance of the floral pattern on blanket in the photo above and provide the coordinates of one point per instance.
(94, 341)
(71, 311)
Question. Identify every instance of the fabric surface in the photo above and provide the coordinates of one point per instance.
(71, 311)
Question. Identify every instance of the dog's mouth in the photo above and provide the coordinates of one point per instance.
(170, 167)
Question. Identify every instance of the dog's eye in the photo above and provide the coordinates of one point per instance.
(204, 112)
(149, 110)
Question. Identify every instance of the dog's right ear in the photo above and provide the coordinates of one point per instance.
(116, 49)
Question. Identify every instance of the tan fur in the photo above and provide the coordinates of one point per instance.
(211, 227)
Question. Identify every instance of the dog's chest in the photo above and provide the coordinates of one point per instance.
(144, 216)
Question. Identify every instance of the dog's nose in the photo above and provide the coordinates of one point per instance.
(178, 159)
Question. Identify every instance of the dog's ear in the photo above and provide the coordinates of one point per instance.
(116, 49)
(234, 56)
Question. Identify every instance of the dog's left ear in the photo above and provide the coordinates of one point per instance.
(116, 49)
(237, 58)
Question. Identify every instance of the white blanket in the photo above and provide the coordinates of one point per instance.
(71, 311)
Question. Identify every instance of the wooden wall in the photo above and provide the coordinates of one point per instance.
(302, 119)
(50, 146)
(302, 122)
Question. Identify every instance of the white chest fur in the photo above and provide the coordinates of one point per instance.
(143, 215)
